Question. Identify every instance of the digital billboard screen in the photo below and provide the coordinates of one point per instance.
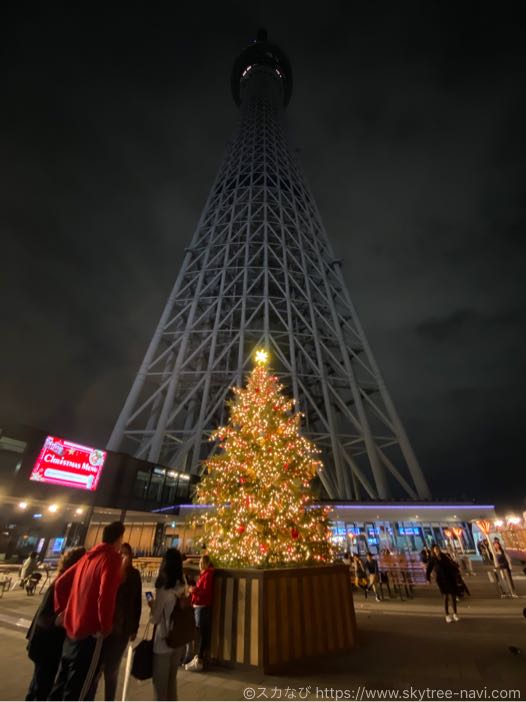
(62, 462)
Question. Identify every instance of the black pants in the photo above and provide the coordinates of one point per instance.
(110, 661)
(78, 666)
(447, 597)
(43, 678)
(203, 622)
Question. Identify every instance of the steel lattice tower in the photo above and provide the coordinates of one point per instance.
(260, 271)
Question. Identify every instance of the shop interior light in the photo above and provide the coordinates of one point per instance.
(499, 522)
(22, 505)
(512, 519)
(53, 508)
(37, 516)
(79, 510)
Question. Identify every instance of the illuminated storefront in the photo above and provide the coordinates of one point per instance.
(53, 489)
(406, 526)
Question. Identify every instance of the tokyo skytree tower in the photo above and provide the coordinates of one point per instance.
(259, 272)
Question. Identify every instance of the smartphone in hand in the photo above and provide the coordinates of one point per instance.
(149, 596)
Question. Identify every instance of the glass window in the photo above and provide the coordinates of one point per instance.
(155, 490)
(170, 487)
(142, 481)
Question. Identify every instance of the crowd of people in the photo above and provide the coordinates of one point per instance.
(447, 569)
(92, 610)
(365, 574)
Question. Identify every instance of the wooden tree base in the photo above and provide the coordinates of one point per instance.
(271, 619)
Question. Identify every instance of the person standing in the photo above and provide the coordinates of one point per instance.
(45, 638)
(169, 586)
(85, 602)
(360, 580)
(484, 551)
(425, 555)
(503, 566)
(446, 574)
(29, 566)
(373, 574)
(128, 607)
(202, 596)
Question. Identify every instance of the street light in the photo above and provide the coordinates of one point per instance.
(22, 505)
(53, 508)
(79, 510)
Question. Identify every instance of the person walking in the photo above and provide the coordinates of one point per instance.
(446, 574)
(360, 581)
(85, 602)
(502, 565)
(373, 574)
(202, 596)
(45, 638)
(128, 607)
(169, 586)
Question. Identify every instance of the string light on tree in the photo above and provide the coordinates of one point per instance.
(259, 482)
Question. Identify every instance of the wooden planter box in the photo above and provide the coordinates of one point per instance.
(271, 619)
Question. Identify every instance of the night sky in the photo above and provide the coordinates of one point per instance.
(410, 119)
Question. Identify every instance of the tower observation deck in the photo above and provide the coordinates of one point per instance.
(259, 271)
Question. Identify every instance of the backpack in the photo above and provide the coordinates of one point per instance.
(181, 628)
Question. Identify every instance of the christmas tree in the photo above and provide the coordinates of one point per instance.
(259, 482)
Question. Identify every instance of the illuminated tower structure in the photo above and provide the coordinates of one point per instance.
(260, 272)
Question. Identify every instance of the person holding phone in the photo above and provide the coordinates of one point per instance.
(169, 586)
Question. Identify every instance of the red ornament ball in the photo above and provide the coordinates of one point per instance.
(294, 533)
(241, 529)
(263, 548)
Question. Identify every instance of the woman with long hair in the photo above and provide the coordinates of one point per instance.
(45, 637)
(169, 586)
(447, 578)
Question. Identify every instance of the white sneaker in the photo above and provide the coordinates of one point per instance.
(456, 618)
(195, 665)
(514, 594)
(449, 618)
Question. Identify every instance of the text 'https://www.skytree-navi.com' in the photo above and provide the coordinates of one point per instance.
(361, 693)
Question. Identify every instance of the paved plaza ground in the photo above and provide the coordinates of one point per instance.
(402, 645)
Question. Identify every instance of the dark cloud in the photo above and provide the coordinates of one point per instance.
(410, 119)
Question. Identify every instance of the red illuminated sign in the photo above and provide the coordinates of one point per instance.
(62, 462)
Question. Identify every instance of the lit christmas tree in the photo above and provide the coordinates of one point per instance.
(259, 483)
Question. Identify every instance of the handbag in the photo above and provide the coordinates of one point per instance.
(142, 664)
(182, 628)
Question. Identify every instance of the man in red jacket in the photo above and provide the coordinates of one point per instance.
(85, 604)
(202, 596)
